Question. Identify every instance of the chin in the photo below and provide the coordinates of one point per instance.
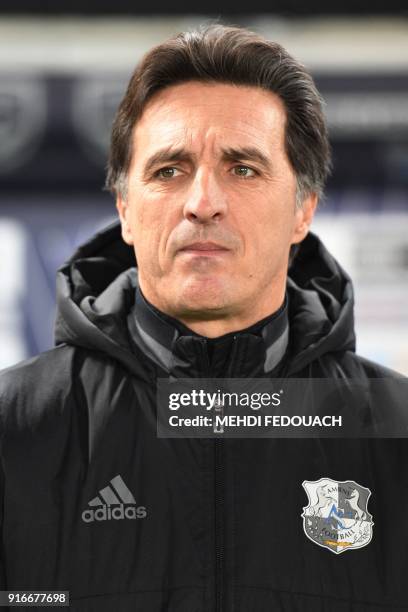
(203, 296)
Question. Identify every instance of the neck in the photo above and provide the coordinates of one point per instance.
(174, 346)
(213, 328)
(213, 325)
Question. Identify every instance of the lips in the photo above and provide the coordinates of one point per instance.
(204, 246)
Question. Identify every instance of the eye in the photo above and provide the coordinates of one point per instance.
(165, 173)
(244, 171)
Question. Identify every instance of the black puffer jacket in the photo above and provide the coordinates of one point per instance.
(93, 502)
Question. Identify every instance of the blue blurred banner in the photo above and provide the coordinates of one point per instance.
(35, 239)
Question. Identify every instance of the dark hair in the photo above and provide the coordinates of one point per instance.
(224, 54)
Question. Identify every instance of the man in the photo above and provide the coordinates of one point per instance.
(219, 155)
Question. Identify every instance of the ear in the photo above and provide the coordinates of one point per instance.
(123, 209)
(303, 218)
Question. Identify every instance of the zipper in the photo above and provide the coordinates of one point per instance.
(218, 505)
(219, 493)
(219, 529)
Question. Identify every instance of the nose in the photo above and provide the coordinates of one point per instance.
(206, 200)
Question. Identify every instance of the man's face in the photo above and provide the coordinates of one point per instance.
(211, 208)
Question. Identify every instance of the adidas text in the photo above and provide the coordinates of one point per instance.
(117, 513)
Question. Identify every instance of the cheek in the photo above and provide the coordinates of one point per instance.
(269, 225)
(152, 224)
(146, 217)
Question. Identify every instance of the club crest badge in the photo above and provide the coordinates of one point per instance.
(337, 517)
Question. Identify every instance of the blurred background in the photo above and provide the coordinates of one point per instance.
(63, 71)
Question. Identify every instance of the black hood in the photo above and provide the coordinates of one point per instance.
(96, 290)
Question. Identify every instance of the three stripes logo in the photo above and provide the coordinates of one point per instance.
(113, 502)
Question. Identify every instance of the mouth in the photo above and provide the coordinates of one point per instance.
(207, 249)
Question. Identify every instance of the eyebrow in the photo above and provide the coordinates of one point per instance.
(164, 156)
(246, 154)
(171, 155)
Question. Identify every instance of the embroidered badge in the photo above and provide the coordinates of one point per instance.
(337, 517)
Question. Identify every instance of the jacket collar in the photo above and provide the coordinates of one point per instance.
(254, 351)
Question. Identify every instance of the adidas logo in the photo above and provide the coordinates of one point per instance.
(113, 502)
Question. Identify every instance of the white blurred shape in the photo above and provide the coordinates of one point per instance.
(373, 249)
(12, 288)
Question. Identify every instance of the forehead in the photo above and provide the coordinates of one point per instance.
(207, 115)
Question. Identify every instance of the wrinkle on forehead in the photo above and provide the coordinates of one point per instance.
(201, 117)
